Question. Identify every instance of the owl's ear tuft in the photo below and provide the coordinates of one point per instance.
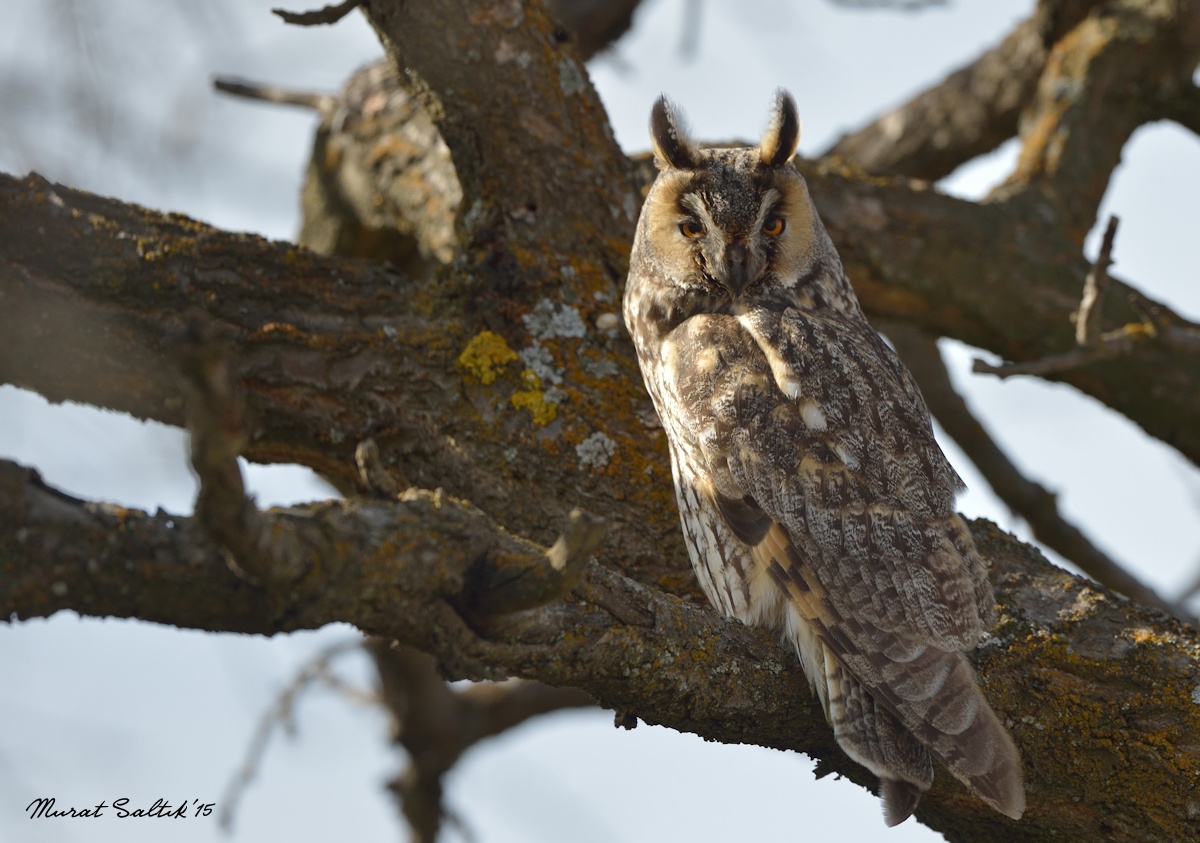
(782, 135)
(669, 137)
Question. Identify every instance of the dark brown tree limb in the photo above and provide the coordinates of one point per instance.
(436, 723)
(595, 24)
(1025, 497)
(509, 71)
(86, 320)
(323, 16)
(1184, 108)
(972, 111)
(1099, 693)
(1107, 76)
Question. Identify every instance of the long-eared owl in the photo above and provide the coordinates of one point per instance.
(813, 497)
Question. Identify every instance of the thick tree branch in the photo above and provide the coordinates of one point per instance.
(1109, 75)
(87, 320)
(508, 94)
(596, 24)
(994, 277)
(1072, 664)
(972, 111)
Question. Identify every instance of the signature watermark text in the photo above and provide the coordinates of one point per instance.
(47, 808)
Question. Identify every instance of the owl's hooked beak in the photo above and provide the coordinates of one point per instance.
(735, 268)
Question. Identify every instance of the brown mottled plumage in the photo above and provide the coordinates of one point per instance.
(812, 494)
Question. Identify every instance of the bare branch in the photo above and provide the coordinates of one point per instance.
(266, 551)
(589, 206)
(596, 24)
(1071, 662)
(1128, 340)
(274, 94)
(1023, 496)
(436, 724)
(971, 112)
(283, 715)
(1116, 63)
(326, 15)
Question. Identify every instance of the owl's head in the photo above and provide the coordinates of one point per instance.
(731, 224)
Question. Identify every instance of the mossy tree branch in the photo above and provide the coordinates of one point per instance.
(1099, 692)
(972, 111)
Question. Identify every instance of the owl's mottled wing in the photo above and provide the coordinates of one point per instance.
(822, 461)
(815, 424)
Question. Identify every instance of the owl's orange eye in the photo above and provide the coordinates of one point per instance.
(691, 229)
(773, 225)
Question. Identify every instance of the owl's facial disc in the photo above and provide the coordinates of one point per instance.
(733, 251)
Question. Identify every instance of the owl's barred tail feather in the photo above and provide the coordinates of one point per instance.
(870, 734)
(893, 705)
(890, 735)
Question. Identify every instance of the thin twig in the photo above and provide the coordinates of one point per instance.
(262, 92)
(1104, 347)
(1119, 343)
(282, 714)
(327, 15)
(1087, 318)
(1093, 346)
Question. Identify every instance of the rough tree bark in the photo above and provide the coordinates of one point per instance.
(498, 383)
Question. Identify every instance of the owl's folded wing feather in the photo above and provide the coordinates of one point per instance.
(819, 428)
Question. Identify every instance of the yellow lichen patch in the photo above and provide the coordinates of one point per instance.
(485, 355)
(285, 329)
(1146, 636)
(533, 399)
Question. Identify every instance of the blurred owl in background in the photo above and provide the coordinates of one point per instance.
(813, 497)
